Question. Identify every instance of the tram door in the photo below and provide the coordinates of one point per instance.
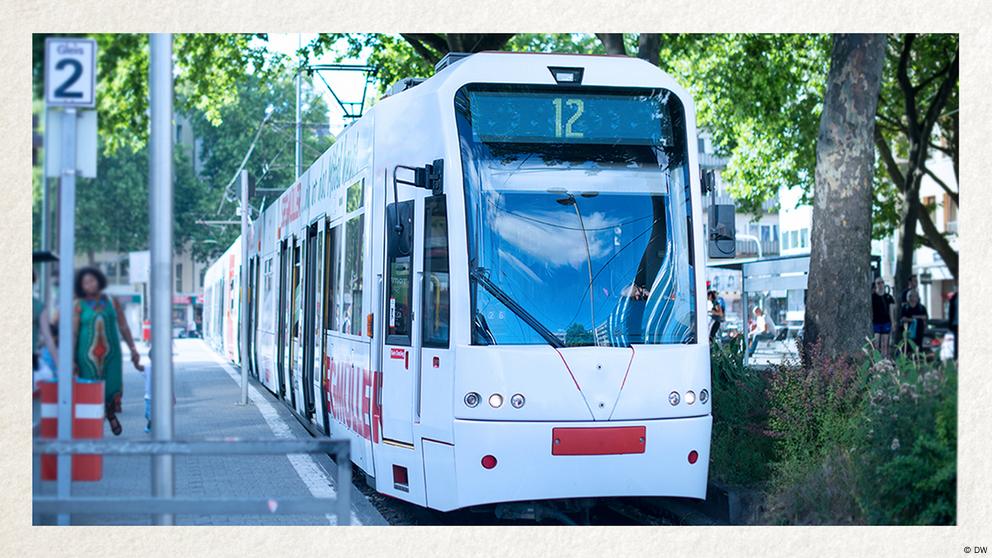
(317, 311)
(282, 314)
(401, 350)
(295, 359)
(256, 291)
(252, 321)
(313, 254)
(435, 308)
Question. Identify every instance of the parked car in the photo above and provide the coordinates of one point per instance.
(934, 336)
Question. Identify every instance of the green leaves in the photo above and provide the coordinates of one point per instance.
(207, 68)
(272, 163)
(760, 97)
(224, 84)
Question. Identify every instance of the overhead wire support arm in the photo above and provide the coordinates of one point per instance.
(347, 107)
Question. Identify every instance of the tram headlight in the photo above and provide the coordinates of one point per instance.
(704, 396)
(472, 399)
(495, 400)
(517, 401)
(674, 398)
(690, 397)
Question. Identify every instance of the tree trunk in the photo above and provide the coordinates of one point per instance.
(649, 47)
(433, 46)
(838, 299)
(613, 43)
(907, 244)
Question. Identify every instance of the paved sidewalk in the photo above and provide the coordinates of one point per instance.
(207, 395)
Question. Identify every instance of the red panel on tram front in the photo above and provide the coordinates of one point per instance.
(612, 440)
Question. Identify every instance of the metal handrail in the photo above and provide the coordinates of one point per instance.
(339, 449)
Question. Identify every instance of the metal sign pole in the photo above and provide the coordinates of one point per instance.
(46, 223)
(245, 319)
(67, 249)
(160, 146)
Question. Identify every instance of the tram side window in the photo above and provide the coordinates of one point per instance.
(399, 266)
(297, 295)
(332, 308)
(267, 296)
(354, 236)
(436, 314)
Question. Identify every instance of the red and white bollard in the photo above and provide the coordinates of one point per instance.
(87, 424)
(146, 331)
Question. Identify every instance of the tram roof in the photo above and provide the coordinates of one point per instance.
(539, 68)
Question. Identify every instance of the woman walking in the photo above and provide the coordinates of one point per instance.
(99, 324)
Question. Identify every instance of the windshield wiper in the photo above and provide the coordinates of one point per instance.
(480, 275)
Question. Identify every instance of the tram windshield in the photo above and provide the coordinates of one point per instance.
(578, 214)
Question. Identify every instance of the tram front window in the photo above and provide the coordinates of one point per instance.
(578, 214)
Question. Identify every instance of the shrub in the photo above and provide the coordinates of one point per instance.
(741, 448)
(871, 441)
(841, 441)
(824, 493)
(910, 449)
(812, 411)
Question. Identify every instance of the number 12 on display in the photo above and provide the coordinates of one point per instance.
(566, 131)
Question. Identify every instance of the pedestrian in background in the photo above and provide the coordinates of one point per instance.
(716, 314)
(912, 286)
(98, 325)
(913, 317)
(41, 339)
(881, 315)
(763, 329)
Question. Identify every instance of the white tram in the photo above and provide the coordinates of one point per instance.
(492, 284)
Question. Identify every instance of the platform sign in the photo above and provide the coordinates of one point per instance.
(70, 72)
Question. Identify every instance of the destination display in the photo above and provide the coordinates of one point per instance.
(525, 117)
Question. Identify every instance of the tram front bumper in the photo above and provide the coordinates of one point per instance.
(673, 460)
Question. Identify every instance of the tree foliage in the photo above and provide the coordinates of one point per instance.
(207, 67)
(272, 162)
(224, 84)
(395, 57)
(917, 117)
(759, 96)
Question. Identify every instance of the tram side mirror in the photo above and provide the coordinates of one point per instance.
(722, 235)
(429, 176)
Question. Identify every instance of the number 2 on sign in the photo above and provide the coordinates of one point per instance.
(567, 131)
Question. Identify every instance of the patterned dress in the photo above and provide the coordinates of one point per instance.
(98, 347)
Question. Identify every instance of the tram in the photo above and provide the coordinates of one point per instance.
(492, 284)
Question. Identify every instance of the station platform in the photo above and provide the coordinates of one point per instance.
(208, 394)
